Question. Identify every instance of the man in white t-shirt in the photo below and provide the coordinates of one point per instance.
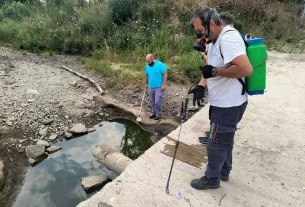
(227, 61)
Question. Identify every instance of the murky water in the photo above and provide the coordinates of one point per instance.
(56, 182)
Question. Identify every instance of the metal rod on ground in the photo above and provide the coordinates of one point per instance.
(183, 116)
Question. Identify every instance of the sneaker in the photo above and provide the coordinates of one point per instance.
(224, 178)
(157, 118)
(152, 116)
(203, 183)
(203, 140)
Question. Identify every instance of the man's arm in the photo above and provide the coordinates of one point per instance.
(164, 81)
(240, 67)
(203, 82)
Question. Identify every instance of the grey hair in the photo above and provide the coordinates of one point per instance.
(226, 18)
(203, 12)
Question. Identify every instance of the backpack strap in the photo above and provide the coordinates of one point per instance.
(220, 41)
(244, 85)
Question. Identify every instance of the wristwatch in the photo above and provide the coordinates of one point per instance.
(214, 72)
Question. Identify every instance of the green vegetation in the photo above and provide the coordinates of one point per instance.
(113, 36)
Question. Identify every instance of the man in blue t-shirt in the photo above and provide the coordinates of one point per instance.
(156, 77)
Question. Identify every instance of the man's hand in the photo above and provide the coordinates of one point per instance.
(198, 92)
(145, 86)
(163, 87)
(207, 71)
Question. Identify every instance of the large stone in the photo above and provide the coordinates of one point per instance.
(47, 121)
(53, 149)
(31, 161)
(2, 175)
(80, 105)
(43, 143)
(68, 135)
(53, 137)
(93, 181)
(43, 131)
(89, 114)
(91, 130)
(34, 151)
(5, 130)
(78, 129)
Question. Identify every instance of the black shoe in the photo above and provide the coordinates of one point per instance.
(203, 140)
(157, 118)
(203, 183)
(224, 178)
(152, 116)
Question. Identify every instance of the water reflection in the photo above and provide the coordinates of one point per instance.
(56, 180)
(135, 141)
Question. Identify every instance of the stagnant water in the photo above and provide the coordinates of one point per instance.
(56, 181)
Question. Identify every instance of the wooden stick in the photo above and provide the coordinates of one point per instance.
(86, 78)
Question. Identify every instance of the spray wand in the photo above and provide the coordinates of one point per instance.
(183, 117)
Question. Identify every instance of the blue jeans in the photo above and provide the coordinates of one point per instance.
(220, 143)
(156, 97)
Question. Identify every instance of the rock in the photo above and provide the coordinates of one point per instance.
(66, 117)
(2, 175)
(89, 114)
(73, 83)
(43, 132)
(24, 105)
(22, 149)
(43, 143)
(4, 130)
(53, 137)
(9, 123)
(34, 151)
(47, 121)
(65, 129)
(93, 181)
(31, 100)
(89, 97)
(53, 102)
(53, 149)
(11, 119)
(78, 129)
(68, 135)
(91, 130)
(31, 91)
(31, 161)
(61, 105)
(80, 105)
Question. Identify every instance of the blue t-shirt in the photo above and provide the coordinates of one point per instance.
(155, 74)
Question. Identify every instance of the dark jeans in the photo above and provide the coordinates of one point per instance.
(220, 143)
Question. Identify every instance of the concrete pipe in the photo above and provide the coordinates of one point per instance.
(111, 159)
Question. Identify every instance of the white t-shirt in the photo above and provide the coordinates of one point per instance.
(225, 92)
